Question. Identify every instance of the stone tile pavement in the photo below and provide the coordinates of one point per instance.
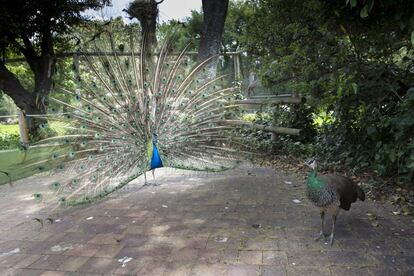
(241, 222)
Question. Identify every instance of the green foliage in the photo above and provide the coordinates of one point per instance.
(23, 18)
(9, 141)
(36, 30)
(353, 60)
(412, 38)
(7, 106)
(10, 137)
(184, 32)
(258, 139)
(23, 73)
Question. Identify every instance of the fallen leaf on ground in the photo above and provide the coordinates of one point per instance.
(125, 260)
(375, 223)
(220, 239)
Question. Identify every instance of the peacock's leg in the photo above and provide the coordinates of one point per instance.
(153, 176)
(320, 235)
(145, 177)
(331, 237)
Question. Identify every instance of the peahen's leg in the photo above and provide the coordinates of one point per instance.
(322, 226)
(331, 237)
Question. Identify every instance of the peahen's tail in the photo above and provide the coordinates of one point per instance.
(360, 193)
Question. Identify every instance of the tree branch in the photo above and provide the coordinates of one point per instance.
(11, 86)
(28, 47)
(46, 42)
(27, 50)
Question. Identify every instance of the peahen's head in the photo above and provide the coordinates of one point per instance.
(311, 163)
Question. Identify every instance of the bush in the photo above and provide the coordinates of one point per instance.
(9, 141)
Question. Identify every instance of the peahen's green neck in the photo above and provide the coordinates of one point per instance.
(313, 182)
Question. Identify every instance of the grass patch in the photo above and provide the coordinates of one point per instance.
(9, 129)
(59, 127)
(16, 162)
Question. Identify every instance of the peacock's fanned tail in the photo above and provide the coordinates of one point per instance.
(123, 97)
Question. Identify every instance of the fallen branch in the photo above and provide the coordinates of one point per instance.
(264, 101)
(279, 130)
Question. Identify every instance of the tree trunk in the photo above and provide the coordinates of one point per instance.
(34, 103)
(146, 12)
(214, 12)
(44, 81)
(150, 26)
(43, 67)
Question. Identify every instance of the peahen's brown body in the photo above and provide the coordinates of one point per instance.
(339, 192)
(331, 193)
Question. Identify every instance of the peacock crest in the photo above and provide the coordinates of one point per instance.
(133, 110)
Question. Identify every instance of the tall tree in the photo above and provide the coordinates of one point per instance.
(146, 12)
(215, 12)
(31, 29)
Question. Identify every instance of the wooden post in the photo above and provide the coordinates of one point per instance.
(24, 133)
(237, 67)
(76, 64)
(237, 70)
(273, 136)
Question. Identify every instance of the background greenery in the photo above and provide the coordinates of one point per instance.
(352, 60)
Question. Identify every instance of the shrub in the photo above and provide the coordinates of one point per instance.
(9, 141)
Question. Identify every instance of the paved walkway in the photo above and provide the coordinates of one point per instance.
(249, 221)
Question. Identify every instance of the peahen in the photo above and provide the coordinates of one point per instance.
(135, 110)
(331, 193)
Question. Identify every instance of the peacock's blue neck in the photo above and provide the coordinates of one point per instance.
(313, 182)
(156, 161)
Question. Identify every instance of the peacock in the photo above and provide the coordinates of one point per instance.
(133, 110)
(154, 156)
(331, 192)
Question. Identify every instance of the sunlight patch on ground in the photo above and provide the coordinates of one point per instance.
(26, 197)
(33, 209)
(194, 221)
(159, 229)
